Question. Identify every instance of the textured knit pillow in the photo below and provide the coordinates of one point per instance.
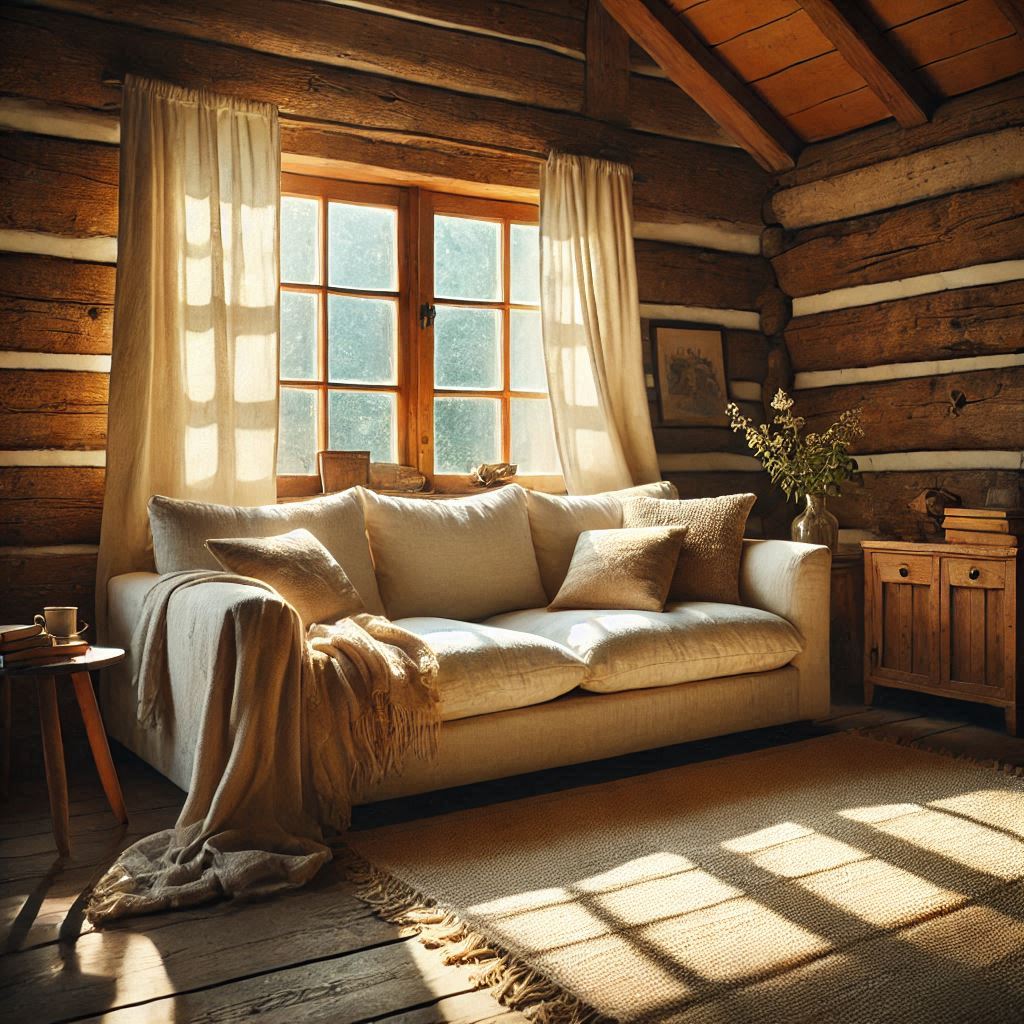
(556, 521)
(180, 529)
(628, 568)
(454, 558)
(298, 567)
(709, 561)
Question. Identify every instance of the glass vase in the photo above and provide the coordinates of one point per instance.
(816, 525)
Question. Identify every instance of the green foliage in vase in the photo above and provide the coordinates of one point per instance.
(800, 463)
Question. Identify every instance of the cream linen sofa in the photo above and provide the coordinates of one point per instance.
(522, 688)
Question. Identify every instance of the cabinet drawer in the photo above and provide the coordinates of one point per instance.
(903, 568)
(965, 572)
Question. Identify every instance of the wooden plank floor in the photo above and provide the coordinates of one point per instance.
(317, 954)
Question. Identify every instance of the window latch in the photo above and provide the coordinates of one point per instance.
(427, 315)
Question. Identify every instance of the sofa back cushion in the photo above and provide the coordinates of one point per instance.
(182, 528)
(455, 558)
(557, 521)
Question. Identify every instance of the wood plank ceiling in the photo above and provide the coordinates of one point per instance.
(827, 67)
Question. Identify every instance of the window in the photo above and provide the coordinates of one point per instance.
(410, 327)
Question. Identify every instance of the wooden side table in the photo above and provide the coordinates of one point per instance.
(45, 677)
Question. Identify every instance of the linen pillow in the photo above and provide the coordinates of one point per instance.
(625, 568)
(556, 521)
(454, 558)
(298, 567)
(181, 528)
(709, 562)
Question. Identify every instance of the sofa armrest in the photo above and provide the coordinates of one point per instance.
(794, 581)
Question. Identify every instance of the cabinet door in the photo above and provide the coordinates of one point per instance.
(904, 613)
(977, 625)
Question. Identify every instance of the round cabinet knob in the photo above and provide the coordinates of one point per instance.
(974, 574)
(904, 571)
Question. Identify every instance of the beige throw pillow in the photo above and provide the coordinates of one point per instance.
(454, 558)
(298, 567)
(556, 521)
(709, 561)
(626, 568)
(181, 528)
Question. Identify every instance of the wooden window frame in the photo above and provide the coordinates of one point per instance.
(415, 368)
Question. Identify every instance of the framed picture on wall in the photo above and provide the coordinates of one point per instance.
(689, 367)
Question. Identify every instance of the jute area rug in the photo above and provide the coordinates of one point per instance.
(839, 879)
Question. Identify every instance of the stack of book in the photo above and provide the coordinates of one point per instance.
(20, 645)
(996, 527)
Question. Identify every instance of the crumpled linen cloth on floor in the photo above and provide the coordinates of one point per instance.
(293, 723)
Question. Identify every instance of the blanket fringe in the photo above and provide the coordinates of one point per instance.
(512, 982)
(936, 747)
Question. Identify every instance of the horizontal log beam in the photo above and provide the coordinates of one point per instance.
(684, 440)
(698, 72)
(980, 410)
(979, 226)
(36, 577)
(955, 166)
(985, 110)
(699, 182)
(347, 37)
(880, 502)
(51, 505)
(53, 409)
(57, 185)
(850, 29)
(54, 305)
(680, 274)
(987, 320)
(559, 24)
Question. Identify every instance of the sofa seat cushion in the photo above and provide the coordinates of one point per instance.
(626, 650)
(483, 669)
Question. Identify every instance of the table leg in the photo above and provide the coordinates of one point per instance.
(98, 744)
(5, 728)
(53, 758)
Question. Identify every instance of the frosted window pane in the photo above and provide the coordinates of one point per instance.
(525, 276)
(299, 240)
(528, 373)
(296, 445)
(467, 431)
(533, 436)
(467, 348)
(298, 336)
(467, 259)
(362, 421)
(361, 340)
(362, 243)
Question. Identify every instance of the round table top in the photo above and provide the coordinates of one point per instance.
(93, 659)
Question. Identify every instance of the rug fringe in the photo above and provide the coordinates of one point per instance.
(923, 743)
(512, 982)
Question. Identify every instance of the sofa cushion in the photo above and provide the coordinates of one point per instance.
(694, 640)
(709, 561)
(621, 569)
(298, 567)
(182, 528)
(459, 558)
(483, 669)
(556, 521)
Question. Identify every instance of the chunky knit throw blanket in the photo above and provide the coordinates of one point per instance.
(293, 724)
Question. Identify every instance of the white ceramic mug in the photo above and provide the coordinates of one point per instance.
(61, 622)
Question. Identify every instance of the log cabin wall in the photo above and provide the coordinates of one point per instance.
(474, 93)
(903, 253)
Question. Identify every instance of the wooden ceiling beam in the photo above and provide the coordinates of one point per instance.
(1013, 11)
(699, 73)
(850, 30)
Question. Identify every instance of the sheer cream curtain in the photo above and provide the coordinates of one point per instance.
(591, 321)
(193, 382)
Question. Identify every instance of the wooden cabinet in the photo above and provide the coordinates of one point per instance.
(946, 619)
